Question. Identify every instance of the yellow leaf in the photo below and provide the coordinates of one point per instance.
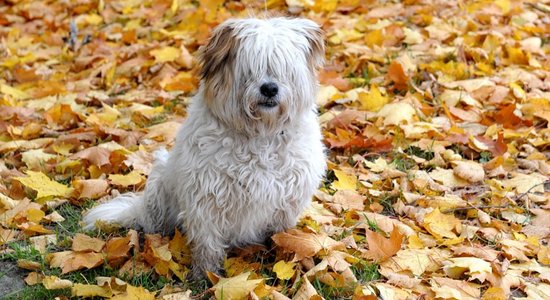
(110, 75)
(284, 270)
(326, 5)
(415, 242)
(494, 293)
(174, 6)
(518, 92)
(374, 37)
(373, 100)
(504, 5)
(345, 181)
(55, 283)
(133, 293)
(129, 179)
(35, 215)
(92, 19)
(43, 185)
(475, 268)
(300, 3)
(90, 290)
(165, 54)
(397, 113)
(13, 92)
(442, 225)
(237, 287)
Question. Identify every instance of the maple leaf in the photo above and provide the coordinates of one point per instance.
(284, 270)
(237, 287)
(305, 244)
(90, 290)
(82, 242)
(382, 248)
(43, 185)
(442, 225)
(133, 292)
(165, 54)
(397, 75)
(373, 100)
(397, 113)
(345, 181)
(132, 178)
(90, 188)
(54, 283)
(70, 261)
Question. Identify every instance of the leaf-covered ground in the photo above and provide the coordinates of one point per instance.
(436, 114)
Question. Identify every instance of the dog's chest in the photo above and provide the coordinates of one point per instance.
(266, 170)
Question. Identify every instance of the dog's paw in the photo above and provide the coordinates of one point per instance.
(196, 274)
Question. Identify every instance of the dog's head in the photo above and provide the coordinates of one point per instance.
(258, 75)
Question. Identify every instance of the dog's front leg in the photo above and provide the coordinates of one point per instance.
(285, 219)
(207, 250)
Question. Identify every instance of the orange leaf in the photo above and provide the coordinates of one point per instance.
(382, 248)
(335, 79)
(397, 75)
(507, 118)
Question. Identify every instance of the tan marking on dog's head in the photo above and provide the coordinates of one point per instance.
(316, 39)
(219, 51)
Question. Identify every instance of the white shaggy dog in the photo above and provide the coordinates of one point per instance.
(249, 157)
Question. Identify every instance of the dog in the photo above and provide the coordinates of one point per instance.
(249, 156)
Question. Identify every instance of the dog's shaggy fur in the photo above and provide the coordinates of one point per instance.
(249, 157)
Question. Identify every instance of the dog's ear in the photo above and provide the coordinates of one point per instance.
(316, 38)
(218, 50)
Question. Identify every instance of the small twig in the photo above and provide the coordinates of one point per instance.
(474, 207)
(198, 296)
(539, 6)
(529, 190)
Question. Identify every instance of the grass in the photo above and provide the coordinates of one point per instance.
(65, 231)
(37, 292)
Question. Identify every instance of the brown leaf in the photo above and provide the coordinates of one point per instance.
(305, 244)
(70, 261)
(82, 242)
(90, 188)
(98, 156)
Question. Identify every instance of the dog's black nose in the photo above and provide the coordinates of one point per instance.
(269, 89)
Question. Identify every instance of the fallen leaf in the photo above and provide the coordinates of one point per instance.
(305, 244)
(132, 178)
(284, 270)
(55, 283)
(82, 242)
(442, 225)
(165, 54)
(43, 185)
(382, 248)
(237, 287)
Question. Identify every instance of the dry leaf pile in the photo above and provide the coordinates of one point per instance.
(436, 114)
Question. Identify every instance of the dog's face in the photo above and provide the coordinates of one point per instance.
(259, 75)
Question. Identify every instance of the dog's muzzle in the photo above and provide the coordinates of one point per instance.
(269, 90)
